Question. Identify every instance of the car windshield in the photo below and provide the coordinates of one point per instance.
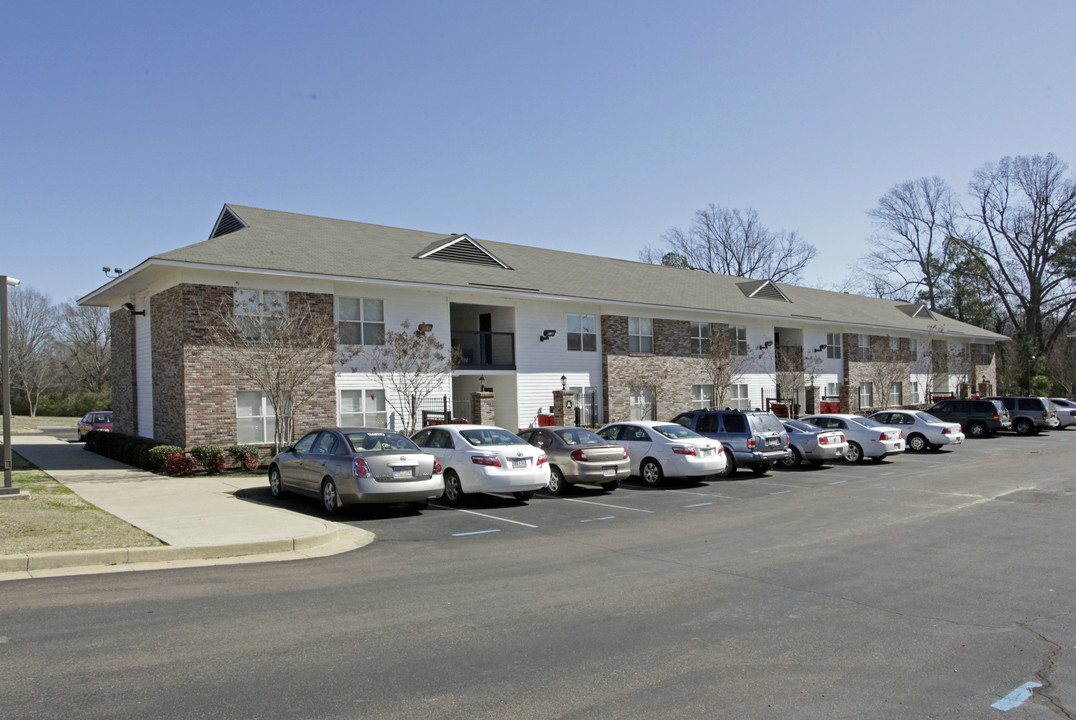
(766, 422)
(866, 422)
(579, 436)
(801, 426)
(927, 417)
(481, 437)
(676, 432)
(361, 441)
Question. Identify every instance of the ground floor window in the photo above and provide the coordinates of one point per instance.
(363, 408)
(702, 397)
(739, 399)
(896, 395)
(255, 418)
(913, 394)
(642, 404)
(866, 395)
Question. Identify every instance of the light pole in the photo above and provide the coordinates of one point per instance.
(1030, 360)
(5, 377)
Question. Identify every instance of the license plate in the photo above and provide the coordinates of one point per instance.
(403, 472)
(519, 463)
(706, 452)
(610, 470)
(772, 442)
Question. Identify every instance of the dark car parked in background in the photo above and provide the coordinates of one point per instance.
(1029, 414)
(753, 439)
(977, 417)
(100, 420)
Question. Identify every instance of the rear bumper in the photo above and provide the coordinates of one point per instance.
(369, 490)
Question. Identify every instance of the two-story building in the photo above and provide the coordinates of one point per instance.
(631, 339)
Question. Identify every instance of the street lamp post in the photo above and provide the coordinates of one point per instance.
(1030, 360)
(5, 380)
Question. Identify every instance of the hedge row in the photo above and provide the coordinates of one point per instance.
(157, 457)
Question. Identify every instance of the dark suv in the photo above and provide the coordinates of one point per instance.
(751, 439)
(977, 418)
(1029, 414)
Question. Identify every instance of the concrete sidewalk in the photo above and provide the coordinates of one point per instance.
(200, 519)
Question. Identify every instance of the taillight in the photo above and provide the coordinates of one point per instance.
(488, 460)
(997, 417)
(683, 450)
(751, 443)
(720, 449)
(542, 459)
(824, 440)
(436, 466)
(580, 455)
(947, 431)
(625, 454)
(1045, 414)
(359, 469)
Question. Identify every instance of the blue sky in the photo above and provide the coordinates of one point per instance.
(594, 127)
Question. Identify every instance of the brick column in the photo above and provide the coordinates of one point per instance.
(564, 408)
(810, 400)
(846, 398)
(482, 408)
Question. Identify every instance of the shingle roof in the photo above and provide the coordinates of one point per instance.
(303, 244)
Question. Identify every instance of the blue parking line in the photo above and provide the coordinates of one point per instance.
(698, 505)
(1017, 697)
(607, 517)
(781, 492)
(476, 532)
(838, 482)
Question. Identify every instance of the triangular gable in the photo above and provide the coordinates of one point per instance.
(763, 289)
(461, 249)
(227, 222)
(917, 310)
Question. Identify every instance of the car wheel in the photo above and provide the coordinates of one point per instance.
(1022, 426)
(976, 430)
(523, 495)
(917, 442)
(81, 437)
(854, 453)
(557, 485)
(610, 486)
(276, 484)
(453, 490)
(792, 459)
(760, 468)
(730, 465)
(330, 500)
(651, 473)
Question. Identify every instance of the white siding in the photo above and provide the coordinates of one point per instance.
(144, 370)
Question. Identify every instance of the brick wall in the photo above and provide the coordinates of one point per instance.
(124, 400)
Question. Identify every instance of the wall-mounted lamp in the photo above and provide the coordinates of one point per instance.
(481, 383)
(563, 382)
(131, 309)
(821, 347)
(765, 345)
(108, 271)
(424, 328)
(546, 334)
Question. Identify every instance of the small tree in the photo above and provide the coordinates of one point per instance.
(276, 345)
(410, 365)
(723, 363)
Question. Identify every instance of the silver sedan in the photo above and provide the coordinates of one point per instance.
(579, 457)
(345, 466)
(813, 444)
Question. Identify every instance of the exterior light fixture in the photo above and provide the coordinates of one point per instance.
(765, 345)
(546, 334)
(131, 309)
(821, 347)
(481, 383)
(563, 382)
(424, 328)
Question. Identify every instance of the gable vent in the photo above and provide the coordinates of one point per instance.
(917, 310)
(763, 290)
(228, 222)
(462, 249)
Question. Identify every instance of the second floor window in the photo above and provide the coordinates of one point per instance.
(255, 308)
(640, 335)
(582, 332)
(865, 347)
(700, 338)
(739, 337)
(362, 321)
(833, 345)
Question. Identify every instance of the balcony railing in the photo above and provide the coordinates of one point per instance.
(485, 350)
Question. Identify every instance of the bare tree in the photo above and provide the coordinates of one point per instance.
(33, 322)
(911, 252)
(277, 345)
(410, 364)
(85, 335)
(1059, 365)
(1025, 215)
(724, 361)
(734, 242)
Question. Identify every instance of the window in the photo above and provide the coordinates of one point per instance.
(640, 335)
(833, 390)
(865, 347)
(866, 395)
(582, 333)
(894, 343)
(739, 336)
(363, 408)
(254, 307)
(700, 338)
(913, 346)
(642, 405)
(702, 397)
(255, 418)
(913, 393)
(738, 396)
(896, 395)
(362, 321)
(833, 345)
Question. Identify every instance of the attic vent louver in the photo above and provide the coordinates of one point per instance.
(462, 249)
(764, 290)
(228, 222)
(917, 310)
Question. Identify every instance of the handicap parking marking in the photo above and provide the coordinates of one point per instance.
(618, 507)
(1017, 697)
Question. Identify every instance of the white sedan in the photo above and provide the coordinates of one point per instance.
(922, 431)
(483, 458)
(866, 437)
(657, 449)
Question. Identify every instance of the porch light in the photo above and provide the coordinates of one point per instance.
(563, 382)
(546, 334)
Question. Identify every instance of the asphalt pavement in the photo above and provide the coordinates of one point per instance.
(201, 520)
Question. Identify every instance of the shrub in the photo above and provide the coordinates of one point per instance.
(179, 464)
(206, 455)
(245, 455)
(159, 455)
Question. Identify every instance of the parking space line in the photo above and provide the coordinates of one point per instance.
(688, 492)
(838, 482)
(891, 472)
(780, 492)
(619, 507)
(607, 517)
(476, 532)
(1017, 697)
(494, 517)
(698, 505)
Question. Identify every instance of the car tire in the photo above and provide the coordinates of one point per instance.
(330, 498)
(523, 495)
(453, 493)
(730, 465)
(557, 484)
(854, 453)
(792, 459)
(760, 468)
(917, 443)
(1023, 426)
(976, 430)
(610, 486)
(276, 484)
(651, 473)
(81, 437)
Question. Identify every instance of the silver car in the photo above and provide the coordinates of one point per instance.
(813, 444)
(579, 457)
(346, 466)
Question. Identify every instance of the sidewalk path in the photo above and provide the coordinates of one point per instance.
(199, 518)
